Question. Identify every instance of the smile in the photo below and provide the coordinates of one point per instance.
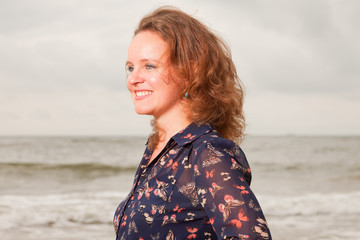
(142, 93)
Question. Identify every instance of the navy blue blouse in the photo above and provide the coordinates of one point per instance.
(196, 188)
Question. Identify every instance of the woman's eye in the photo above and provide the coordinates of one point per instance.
(149, 66)
(129, 69)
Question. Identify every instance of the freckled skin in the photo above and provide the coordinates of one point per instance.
(148, 67)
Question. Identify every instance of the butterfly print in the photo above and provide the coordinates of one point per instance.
(132, 227)
(143, 170)
(195, 152)
(174, 151)
(207, 236)
(116, 224)
(241, 217)
(226, 176)
(173, 218)
(210, 174)
(201, 192)
(199, 189)
(203, 201)
(213, 208)
(213, 156)
(141, 207)
(186, 163)
(252, 205)
(230, 199)
(124, 219)
(175, 166)
(235, 164)
(242, 188)
(234, 151)
(132, 213)
(172, 179)
(192, 232)
(177, 208)
(155, 237)
(212, 220)
(170, 235)
(169, 164)
(146, 157)
(196, 170)
(189, 191)
(163, 160)
(261, 228)
(190, 136)
(148, 218)
(147, 192)
(230, 152)
(230, 203)
(159, 209)
(161, 184)
(144, 190)
(161, 193)
(167, 219)
(122, 236)
(214, 189)
(172, 164)
(243, 236)
(161, 190)
(190, 216)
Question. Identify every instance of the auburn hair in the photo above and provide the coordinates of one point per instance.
(202, 60)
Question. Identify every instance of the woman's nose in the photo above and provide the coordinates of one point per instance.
(135, 77)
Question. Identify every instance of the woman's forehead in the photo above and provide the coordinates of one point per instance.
(147, 45)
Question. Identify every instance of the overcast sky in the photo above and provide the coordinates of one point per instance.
(62, 64)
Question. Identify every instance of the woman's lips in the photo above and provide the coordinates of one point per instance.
(139, 94)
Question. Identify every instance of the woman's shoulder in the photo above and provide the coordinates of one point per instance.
(213, 140)
(211, 149)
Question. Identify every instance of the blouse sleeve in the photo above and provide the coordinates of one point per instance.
(222, 178)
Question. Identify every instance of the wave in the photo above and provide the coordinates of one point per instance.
(86, 167)
(84, 208)
(313, 204)
(58, 210)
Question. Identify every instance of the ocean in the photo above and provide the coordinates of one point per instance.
(69, 187)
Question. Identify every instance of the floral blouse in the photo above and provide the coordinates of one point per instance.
(196, 188)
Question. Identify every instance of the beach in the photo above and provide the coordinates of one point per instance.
(69, 187)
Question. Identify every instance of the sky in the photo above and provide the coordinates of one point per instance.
(62, 64)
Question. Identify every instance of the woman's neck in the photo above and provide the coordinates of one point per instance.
(165, 132)
(171, 123)
(167, 129)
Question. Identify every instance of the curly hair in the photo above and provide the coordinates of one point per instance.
(203, 61)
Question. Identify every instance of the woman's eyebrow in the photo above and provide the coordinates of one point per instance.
(143, 60)
(149, 60)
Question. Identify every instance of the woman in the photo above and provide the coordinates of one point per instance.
(193, 180)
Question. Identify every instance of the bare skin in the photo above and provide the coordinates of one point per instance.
(152, 90)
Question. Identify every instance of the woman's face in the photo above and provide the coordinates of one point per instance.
(148, 69)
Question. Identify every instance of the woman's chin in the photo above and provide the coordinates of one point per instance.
(143, 112)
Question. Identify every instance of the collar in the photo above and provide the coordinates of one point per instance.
(191, 133)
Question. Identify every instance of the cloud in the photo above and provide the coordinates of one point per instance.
(315, 114)
(95, 111)
(64, 46)
(62, 63)
(297, 46)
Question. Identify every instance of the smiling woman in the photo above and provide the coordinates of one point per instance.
(193, 181)
(148, 77)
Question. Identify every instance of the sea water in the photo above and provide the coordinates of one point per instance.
(69, 187)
